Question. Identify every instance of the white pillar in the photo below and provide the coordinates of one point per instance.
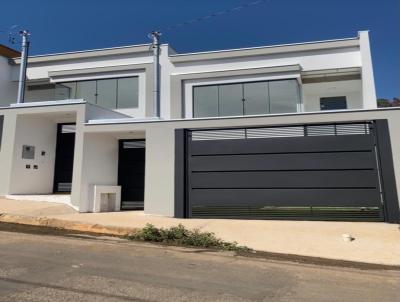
(367, 72)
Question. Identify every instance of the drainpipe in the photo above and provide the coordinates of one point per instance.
(22, 72)
(156, 67)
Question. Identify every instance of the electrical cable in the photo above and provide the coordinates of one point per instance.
(215, 14)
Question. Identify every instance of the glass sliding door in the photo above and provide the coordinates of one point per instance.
(65, 91)
(284, 96)
(128, 93)
(86, 90)
(107, 93)
(205, 101)
(256, 98)
(230, 100)
(277, 96)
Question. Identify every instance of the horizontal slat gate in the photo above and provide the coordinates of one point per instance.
(300, 172)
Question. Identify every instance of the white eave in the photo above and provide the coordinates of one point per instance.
(265, 50)
(141, 48)
(197, 56)
(48, 103)
(119, 121)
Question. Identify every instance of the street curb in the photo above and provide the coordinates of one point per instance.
(97, 229)
(67, 225)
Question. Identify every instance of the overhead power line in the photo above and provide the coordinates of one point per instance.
(215, 14)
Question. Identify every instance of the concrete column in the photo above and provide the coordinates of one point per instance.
(160, 170)
(7, 150)
(367, 73)
(76, 195)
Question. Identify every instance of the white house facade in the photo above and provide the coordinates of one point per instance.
(274, 132)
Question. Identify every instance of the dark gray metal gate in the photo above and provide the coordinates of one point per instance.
(323, 172)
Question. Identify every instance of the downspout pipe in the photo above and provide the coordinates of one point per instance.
(156, 72)
(22, 72)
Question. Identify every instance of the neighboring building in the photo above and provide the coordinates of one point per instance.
(8, 87)
(266, 132)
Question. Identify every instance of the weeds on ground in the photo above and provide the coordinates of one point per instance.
(181, 236)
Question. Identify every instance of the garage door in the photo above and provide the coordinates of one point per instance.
(323, 172)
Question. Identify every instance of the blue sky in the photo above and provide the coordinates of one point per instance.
(68, 25)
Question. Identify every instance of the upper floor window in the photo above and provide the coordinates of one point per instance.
(109, 93)
(333, 103)
(251, 98)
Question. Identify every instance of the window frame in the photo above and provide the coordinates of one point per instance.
(299, 95)
(137, 77)
(333, 98)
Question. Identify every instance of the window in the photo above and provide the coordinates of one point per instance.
(257, 98)
(86, 90)
(333, 103)
(230, 100)
(109, 93)
(205, 101)
(1, 128)
(284, 96)
(128, 93)
(246, 98)
(65, 91)
(40, 93)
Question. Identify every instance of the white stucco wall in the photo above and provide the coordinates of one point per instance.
(41, 70)
(160, 163)
(99, 166)
(312, 93)
(42, 134)
(308, 60)
(338, 57)
(8, 88)
(6, 150)
(36, 126)
(368, 82)
(160, 146)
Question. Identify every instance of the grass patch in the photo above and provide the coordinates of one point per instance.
(181, 236)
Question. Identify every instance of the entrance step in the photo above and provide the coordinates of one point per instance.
(57, 198)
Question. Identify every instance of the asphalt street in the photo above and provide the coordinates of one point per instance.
(36, 267)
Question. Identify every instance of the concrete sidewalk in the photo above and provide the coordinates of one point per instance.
(377, 243)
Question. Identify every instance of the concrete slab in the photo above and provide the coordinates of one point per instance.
(377, 243)
(34, 208)
(57, 198)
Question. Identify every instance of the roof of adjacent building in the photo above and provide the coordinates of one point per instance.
(8, 52)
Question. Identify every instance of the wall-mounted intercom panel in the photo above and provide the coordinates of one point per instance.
(28, 152)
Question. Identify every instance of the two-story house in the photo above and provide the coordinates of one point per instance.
(274, 132)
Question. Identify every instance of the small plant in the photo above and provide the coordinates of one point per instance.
(181, 236)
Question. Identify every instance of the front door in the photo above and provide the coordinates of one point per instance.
(131, 165)
(64, 158)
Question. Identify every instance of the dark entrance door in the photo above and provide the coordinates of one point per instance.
(64, 158)
(316, 172)
(131, 165)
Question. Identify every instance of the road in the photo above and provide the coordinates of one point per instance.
(63, 268)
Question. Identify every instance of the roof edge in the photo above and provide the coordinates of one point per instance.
(98, 52)
(8, 52)
(204, 55)
(265, 46)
